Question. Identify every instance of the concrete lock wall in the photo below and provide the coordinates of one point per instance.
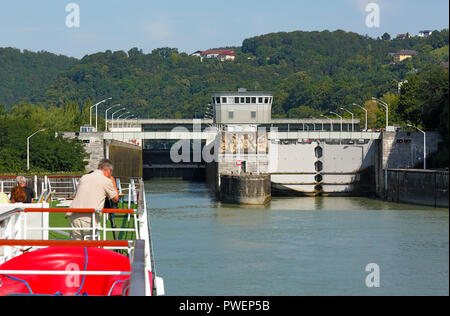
(401, 150)
(93, 144)
(245, 189)
(405, 150)
(127, 159)
(423, 187)
(324, 167)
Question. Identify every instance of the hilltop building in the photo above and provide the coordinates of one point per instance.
(403, 36)
(220, 54)
(403, 55)
(425, 33)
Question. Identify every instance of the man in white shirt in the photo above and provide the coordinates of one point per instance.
(93, 189)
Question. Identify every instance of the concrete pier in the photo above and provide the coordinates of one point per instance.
(245, 189)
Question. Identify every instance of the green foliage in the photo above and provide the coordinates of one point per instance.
(424, 100)
(48, 153)
(322, 71)
(25, 74)
(311, 73)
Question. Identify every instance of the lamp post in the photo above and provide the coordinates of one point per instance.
(340, 117)
(132, 118)
(28, 147)
(106, 115)
(90, 112)
(353, 118)
(118, 124)
(365, 111)
(340, 133)
(132, 121)
(112, 116)
(387, 109)
(424, 146)
(331, 123)
(126, 118)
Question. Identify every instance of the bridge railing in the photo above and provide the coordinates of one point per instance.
(123, 136)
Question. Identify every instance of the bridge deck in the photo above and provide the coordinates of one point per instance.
(122, 136)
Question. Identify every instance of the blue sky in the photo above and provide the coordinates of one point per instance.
(197, 25)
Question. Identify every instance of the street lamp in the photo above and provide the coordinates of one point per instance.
(387, 109)
(131, 119)
(126, 118)
(28, 147)
(340, 133)
(112, 116)
(340, 117)
(106, 115)
(353, 118)
(365, 111)
(424, 146)
(118, 124)
(90, 112)
(331, 121)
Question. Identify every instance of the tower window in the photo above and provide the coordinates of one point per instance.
(253, 115)
(231, 115)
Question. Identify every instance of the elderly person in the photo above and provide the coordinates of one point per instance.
(93, 189)
(22, 182)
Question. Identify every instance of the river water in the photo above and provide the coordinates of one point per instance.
(295, 246)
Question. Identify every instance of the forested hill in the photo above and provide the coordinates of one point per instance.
(310, 72)
(25, 74)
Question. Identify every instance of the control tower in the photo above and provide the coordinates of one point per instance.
(242, 107)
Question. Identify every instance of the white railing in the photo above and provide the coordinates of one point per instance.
(15, 225)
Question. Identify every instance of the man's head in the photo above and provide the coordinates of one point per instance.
(106, 166)
(21, 181)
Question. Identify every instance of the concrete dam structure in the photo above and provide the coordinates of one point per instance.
(240, 144)
(323, 167)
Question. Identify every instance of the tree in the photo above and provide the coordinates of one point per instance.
(424, 100)
(386, 37)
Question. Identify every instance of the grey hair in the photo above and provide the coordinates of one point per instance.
(105, 164)
(21, 180)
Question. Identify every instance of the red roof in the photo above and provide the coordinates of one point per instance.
(227, 54)
(218, 52)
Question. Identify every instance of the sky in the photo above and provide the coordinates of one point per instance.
(38, 25)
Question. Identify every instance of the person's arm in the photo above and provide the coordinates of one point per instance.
(116, 198)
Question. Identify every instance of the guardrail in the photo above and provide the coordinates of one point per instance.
(14, 231)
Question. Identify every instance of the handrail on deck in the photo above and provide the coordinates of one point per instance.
(65, 243)
(78, 210)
